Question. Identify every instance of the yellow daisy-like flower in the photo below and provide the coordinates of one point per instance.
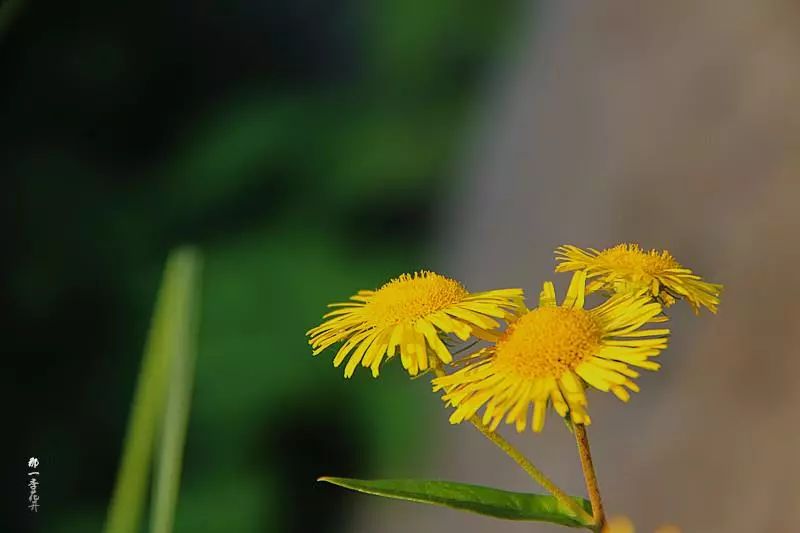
(627, 267)
(550, 354)
(407, 316)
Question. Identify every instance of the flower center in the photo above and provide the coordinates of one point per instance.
(412, 297)
(631, 258)
(547, 342)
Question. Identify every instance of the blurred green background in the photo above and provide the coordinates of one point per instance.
(304, 146)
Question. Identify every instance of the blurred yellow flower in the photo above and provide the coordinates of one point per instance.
(619, 524)
(408, 315)
(626, 267)
(623, 524)
(551, 353)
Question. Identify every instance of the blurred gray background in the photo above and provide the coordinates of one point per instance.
(675, 125)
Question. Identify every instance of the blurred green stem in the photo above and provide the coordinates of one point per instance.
(168, 347)
(526, 464)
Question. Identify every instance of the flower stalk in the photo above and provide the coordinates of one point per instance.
(589, 475)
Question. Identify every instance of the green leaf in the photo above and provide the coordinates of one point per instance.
(475, 498)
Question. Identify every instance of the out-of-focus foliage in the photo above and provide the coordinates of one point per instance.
(160, 408)
(304, 146)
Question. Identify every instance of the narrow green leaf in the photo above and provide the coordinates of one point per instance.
(475, 498)
(167, 338)
(179, 394)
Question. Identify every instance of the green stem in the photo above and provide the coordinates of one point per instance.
(527, 465)
(592, 487)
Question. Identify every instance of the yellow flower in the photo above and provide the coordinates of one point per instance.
(623, 524)
(619, 524)
(407, 316)
(551, 353)
(627, 267)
